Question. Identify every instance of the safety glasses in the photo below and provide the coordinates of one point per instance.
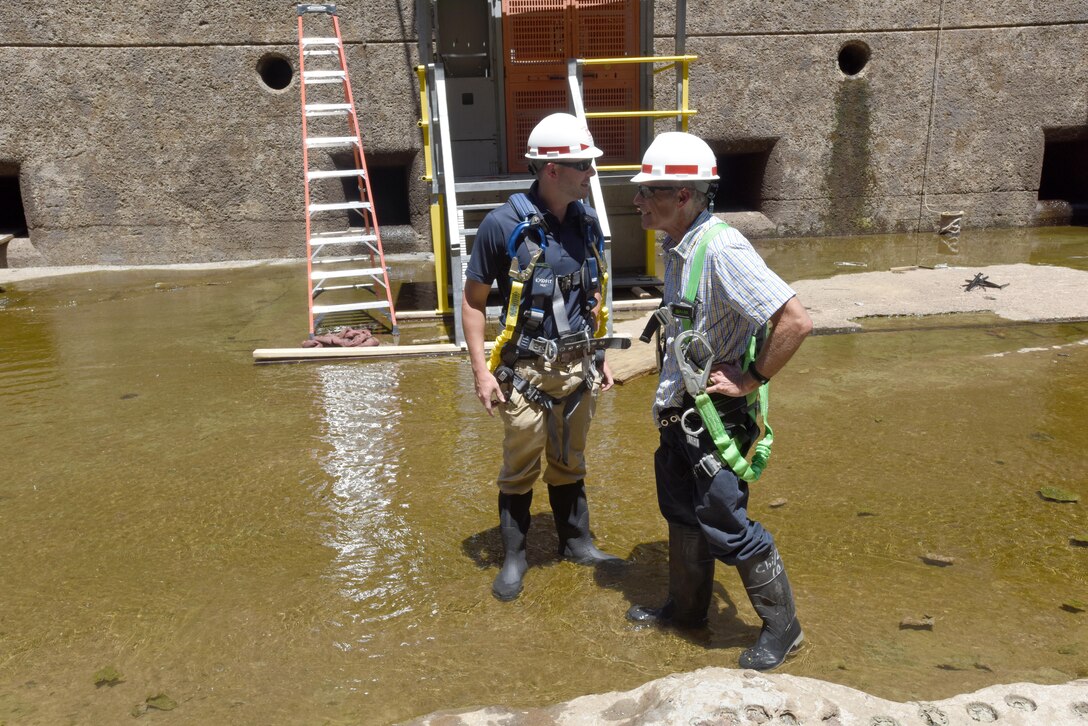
(583, 165)
(646, 192)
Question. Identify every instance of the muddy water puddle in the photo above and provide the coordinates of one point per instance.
(315, 543)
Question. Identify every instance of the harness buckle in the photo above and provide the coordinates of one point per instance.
(683, 310)
(546, 349)
(709, 465)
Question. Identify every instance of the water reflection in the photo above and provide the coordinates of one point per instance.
(369, 532)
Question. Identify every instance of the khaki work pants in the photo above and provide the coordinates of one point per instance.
(559, 434)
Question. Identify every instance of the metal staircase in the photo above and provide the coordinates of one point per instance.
(454, 215)
(345, 264)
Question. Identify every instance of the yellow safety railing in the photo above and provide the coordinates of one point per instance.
(425, 123)
(682, 111)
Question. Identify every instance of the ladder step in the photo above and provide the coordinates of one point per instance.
(329, 173)
(347, 307)
(312, 77)
(339, 205)
(315, 141)
(343, 239)
(331, 274)
(330, 260)
(320, 41)
(479, 207)
(320, 52)
(327, 109)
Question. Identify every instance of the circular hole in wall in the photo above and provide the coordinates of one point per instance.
(853, 57)
(275, 71)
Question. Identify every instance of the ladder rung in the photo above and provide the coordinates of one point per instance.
(331, 274)
(319, 41)
(332, 260)
(343, 239)
(320, 52)
(328, 173)
(322, 309)
(315, 141)
(323, 76)
(479, 207)
(327, 109)
(339, 205)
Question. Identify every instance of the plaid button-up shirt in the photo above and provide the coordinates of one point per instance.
(737, 295)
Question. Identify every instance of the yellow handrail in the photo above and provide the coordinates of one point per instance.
(639, 59)
(641, 114)
(425, 123)
(683, 112)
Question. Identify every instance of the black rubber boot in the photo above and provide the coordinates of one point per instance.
(571, 513)
(691, 582)
(769, 590)
(514, 526)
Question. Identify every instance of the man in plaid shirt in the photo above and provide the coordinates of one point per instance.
(702, 498)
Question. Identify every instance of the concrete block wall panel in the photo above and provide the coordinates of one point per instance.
(158, 154)
(1003, 13)
(746, 17)
(832, 132)
(143, 132)
(998, 89)
(153, 154)
(853, 155)
(154, 22)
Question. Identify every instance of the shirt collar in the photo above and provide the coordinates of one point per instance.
(687, 243)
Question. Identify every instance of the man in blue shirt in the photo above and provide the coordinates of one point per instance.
(546, 375)
(719, 287)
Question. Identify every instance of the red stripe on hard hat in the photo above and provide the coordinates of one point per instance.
(561, 149)
(678, 169)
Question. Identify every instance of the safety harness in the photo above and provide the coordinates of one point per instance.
(536, 290)
(690, 347)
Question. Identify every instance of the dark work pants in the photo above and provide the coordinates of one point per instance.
(717, 505)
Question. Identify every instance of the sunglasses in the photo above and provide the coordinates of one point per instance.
(646, 192)
(583, 165)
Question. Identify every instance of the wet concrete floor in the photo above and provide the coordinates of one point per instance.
(315, 543)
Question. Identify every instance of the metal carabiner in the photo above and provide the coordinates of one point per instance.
(694, 378)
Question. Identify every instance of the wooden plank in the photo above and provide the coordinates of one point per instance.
(268, 355)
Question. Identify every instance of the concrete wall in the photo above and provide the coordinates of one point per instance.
(143, 133)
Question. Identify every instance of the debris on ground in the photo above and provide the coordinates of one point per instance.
(343, 338)
(923, 623)
(1057, 494)
(981, 280)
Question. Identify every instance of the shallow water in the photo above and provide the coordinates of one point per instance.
(315, 543)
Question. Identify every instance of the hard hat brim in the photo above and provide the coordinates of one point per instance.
(591, 153)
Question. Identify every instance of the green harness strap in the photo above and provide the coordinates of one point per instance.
(728, 450)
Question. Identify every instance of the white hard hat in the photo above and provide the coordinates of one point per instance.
(678, 156)
(561, 136)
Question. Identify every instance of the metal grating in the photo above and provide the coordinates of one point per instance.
(535, 31)
(540, 35)
(606, 28)
(530, 102)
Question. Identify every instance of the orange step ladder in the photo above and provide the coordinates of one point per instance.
(342, 231)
